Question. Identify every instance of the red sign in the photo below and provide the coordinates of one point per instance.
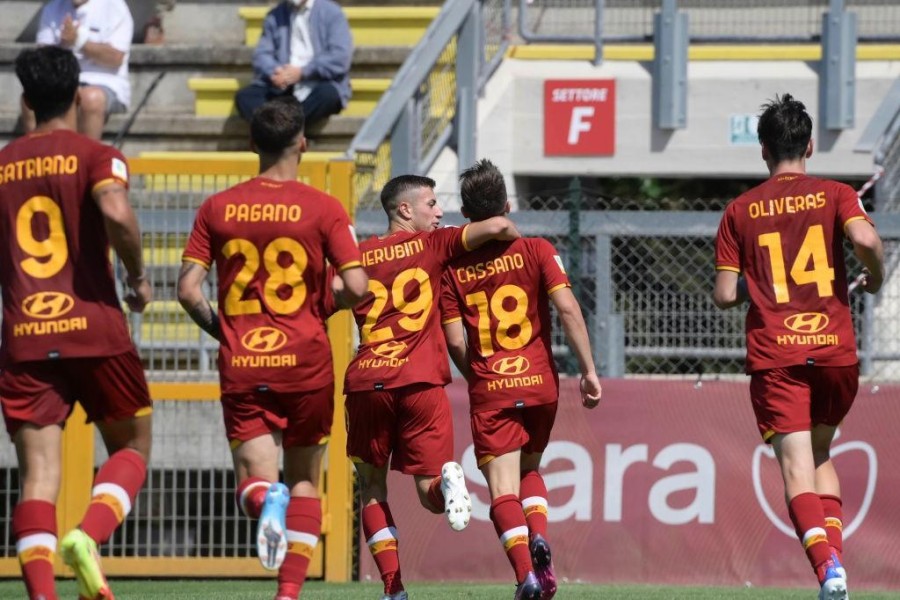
(580, 117)
(666, 482)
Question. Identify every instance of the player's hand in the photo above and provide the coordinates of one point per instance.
(870, 283)
(69, 32)
(140, 295)
(590, 390)
(290, 74)
(277, 78)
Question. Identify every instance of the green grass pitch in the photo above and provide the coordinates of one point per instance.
(316, 590)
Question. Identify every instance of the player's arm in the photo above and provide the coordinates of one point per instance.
(495, 228)
(869, 250)
(194, 301)
(730, 289)
(457, 347)
(125, 236)
(349, 287)
(577, 336)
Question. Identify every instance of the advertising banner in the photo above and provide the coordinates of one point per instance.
(668, 482)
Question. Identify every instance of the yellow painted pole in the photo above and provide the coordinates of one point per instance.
(338, 517)
(77, 476)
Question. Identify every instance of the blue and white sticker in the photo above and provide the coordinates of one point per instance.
(119, 169)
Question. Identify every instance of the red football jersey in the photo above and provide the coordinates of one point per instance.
(269, 241)
(59, 294)
(786, 237)
(502, 293)
(401, 341)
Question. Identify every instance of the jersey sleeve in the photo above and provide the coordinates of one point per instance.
(553, 272)
(107, 166)
(46, 33)
(122, 30)
(199, 246)
(448, 242)
(728, 256)
(341, 247)
(449, 302)
(849, 206)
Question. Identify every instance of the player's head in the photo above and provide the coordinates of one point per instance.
(483, 191)
(49, 77)
(410, 200)
(277, 127)
(784, 130)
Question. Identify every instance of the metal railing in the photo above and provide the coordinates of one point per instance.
(431, 101)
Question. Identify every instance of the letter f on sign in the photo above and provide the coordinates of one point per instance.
(581, 116)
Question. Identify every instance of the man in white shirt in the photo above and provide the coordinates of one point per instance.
(99, 32)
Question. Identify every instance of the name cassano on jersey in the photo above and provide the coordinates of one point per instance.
(262, 213)
(41, 166)
(489, 268)
(785, 205)
(393, 252)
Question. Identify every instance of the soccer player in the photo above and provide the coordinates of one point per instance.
(268, 239)
(63, 201)
(780, 245)
(397, 409)
(500, 295)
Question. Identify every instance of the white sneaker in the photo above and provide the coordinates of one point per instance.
(457, 504)
(834, 589)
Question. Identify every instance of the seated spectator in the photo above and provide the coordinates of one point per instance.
(305, 50)
(99, 32)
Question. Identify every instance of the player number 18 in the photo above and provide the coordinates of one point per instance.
(507, 320)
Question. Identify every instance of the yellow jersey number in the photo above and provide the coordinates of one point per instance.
(415, 311)
(810, 266)
(48, 256)
(277, 276)
(506, 319)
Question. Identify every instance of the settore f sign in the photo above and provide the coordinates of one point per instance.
(579, 117)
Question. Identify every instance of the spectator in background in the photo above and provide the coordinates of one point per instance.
(305, 50)
(99, 32)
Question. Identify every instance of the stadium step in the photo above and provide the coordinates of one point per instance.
(370, 25)
(214, 96)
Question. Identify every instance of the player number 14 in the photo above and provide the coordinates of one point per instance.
(812, 250)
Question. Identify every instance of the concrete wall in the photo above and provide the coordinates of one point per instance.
(510, 118)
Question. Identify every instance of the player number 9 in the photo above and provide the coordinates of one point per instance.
(48, 256)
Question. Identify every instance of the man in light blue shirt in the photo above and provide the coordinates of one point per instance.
(305, 49)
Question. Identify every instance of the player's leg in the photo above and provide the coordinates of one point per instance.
(92, 103)
(305, 442)
(498, 436)
(425, 450)
(32, 398)
(538, 422)
(371, 435)
(114, 394)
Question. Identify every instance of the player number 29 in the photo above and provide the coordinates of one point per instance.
(415, 308)
(47, 256)
(277, 276)
(507, 319)
(813, 251)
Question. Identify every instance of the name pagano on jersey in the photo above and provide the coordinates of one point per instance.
(489, 268)
(262, 213)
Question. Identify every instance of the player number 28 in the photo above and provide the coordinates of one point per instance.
(47, 256)
(812, 250)
(277, 276)
(507, 320)
(415, 311)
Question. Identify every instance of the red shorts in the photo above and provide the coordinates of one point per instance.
(797, 398)
(503, 430)
(109, 388)
(304, 418)
(410, 425)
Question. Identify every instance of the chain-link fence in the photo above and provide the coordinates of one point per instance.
(709, 20)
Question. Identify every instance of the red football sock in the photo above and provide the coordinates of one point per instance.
(533, 493)
(381, 537)
(251, 494)
(304, 526)
(808, 518)
(509, 523)
(34, 529)
(115, 487)
(834, 521)
(435, 495)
